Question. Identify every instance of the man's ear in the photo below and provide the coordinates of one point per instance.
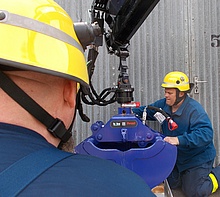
(69, 93)
(181, 94)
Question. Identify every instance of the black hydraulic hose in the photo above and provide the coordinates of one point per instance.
(171, 124)
(158, 110)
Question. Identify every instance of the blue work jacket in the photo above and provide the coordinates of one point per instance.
(194, 131)
(77, 175)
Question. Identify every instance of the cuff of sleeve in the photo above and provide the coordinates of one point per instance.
(182, 141)
(134, 110)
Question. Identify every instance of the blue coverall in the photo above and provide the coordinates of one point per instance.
(196, 151)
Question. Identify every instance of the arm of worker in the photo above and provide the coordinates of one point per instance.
(196, 128)
(138, 111)
(200, 134)
(150, 113)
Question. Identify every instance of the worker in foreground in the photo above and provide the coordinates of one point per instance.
(193, 171)
(41, 63)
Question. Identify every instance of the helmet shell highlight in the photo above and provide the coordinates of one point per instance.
(177, 80)
(38, 35)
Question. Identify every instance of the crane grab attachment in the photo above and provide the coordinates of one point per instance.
(127, 142)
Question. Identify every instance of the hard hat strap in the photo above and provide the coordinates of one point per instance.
(55, 126)
(179, 99)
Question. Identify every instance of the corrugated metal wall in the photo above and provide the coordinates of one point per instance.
(178, 35)
(204, 29)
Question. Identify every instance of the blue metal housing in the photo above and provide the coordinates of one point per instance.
(126, 141)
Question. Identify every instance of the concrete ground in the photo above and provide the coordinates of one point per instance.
(163, 190)
(179, 193)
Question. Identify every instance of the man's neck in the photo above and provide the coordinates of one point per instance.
(176, 107)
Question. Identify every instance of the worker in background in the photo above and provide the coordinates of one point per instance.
(193, 171)
(41, 63)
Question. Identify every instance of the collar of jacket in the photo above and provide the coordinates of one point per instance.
(179, 112)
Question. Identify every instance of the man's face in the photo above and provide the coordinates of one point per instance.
(170, 95)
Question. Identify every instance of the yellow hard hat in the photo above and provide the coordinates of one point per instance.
(39, 36)
(177, 80)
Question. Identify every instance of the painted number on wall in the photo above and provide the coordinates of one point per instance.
(215, 40)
